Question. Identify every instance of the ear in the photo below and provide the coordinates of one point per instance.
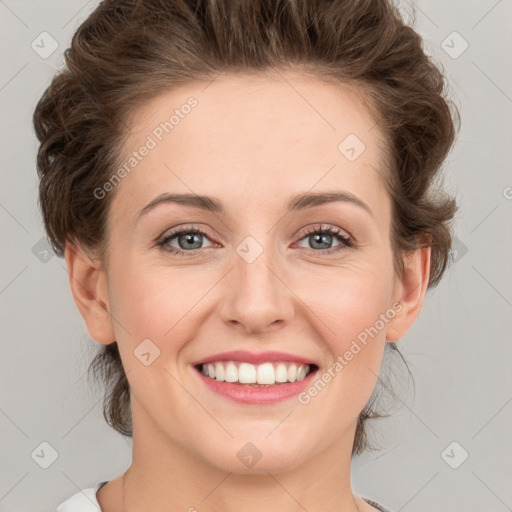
(410, 292)
(89, 287)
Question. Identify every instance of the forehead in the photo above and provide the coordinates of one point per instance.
(261, 136)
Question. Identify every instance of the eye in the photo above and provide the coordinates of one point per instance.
(321, 238)
(189, 241)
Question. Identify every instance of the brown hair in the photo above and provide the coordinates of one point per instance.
(129, 51)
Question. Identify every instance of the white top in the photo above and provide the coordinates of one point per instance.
(86, 501)
(83, 501)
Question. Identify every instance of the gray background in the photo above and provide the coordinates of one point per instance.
(458, 351)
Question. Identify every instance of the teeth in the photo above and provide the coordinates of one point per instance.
(219, 372)
(247, 374)
(231, 374)
(292, 373)
(301, 373)
(263, 374)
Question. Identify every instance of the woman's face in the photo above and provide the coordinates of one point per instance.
(259, 279)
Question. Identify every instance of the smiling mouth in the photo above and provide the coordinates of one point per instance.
(262, 375)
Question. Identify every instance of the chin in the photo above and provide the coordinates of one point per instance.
(258, 457)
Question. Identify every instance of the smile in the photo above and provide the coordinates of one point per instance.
(261, 384)
(266, 374)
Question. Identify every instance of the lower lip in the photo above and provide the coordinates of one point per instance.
(247, 394)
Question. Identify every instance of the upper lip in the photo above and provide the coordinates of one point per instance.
(254, 358)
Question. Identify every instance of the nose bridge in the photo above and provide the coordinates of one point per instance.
(254, 268)
(258, 298)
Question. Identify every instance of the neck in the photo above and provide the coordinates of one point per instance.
(165, 476)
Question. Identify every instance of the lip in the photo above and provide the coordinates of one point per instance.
(246, 394)
(254, 358)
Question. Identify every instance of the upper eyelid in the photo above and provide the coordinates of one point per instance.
(187, 229)
(323, 227)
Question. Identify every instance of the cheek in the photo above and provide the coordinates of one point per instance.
(154, 302)
(348, 300)
(154, 312)
(352, 314)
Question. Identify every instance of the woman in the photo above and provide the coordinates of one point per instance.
(243, 193)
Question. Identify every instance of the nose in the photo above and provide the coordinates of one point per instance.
(257, 298)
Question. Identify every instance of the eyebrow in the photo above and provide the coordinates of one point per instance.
(296, 203)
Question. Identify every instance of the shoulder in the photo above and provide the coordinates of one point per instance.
(83, 501)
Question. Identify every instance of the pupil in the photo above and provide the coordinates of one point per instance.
(189, 238)
(319, 237)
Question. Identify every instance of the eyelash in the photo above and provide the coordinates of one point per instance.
(346, 241)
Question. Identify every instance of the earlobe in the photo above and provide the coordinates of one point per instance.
(89, 288)
(412, 289)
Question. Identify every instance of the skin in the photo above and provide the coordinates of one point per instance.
(252, 142)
